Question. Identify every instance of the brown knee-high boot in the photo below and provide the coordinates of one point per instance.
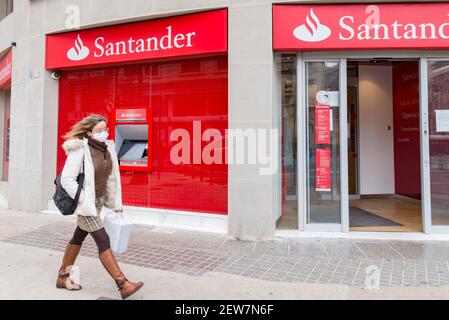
(126, 287)
(70, 254)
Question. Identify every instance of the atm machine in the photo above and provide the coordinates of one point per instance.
(132, 134)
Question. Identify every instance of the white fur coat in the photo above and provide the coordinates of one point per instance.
(77, 150)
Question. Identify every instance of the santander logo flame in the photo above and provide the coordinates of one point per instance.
(79, 51)
(313, 30)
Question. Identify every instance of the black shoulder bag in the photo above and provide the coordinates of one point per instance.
(63, 201)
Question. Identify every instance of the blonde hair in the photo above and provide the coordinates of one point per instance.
(80, 129)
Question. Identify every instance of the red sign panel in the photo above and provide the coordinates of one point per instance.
(6, 70)
(406, 126)
(323, 169)
(185, 35)
(322, 124)
(354, 26)
(124, 115)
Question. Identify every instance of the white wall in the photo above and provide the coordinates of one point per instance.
(376, 141)
(251, 196)
(2, 9)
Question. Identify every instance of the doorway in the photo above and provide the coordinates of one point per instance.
(383, 124)
(360, 123)
(364, 141)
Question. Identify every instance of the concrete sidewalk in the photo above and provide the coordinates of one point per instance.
(179, 264)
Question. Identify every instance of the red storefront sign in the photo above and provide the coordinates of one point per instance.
(187, 35)
(323, 169)
(359, 26)
(125, 115)
(6, 70)
(322, 124)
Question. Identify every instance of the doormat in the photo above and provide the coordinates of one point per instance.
(361, 218)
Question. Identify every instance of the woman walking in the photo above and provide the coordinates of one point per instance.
(87, 147)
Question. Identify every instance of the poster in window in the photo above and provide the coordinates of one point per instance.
(442, 120)
(322, 124)
(323, 170)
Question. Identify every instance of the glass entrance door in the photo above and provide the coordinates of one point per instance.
(325, 180)
(438, 111)
(324, 138)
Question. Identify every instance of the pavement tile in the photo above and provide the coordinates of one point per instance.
(338, 248)
(400, 263)
(421, 250)
(378, 250)
(304, 247)
(272, 247)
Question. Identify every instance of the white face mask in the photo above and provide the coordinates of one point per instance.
(101, 136)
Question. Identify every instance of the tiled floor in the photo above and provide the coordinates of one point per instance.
(406, 212)
(332, 261)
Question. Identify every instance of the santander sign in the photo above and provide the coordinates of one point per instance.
(130, 46)
(200, 33)
(78, 52)
(382, 26)
(5, 69)
(313, 30)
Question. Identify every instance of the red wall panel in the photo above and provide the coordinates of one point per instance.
(179, 92)
(406, 129)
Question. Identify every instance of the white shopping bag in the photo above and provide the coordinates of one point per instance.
(118, 228)
(75, 275)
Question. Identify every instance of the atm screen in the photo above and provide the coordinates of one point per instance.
(133, 152)
(132, 144)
